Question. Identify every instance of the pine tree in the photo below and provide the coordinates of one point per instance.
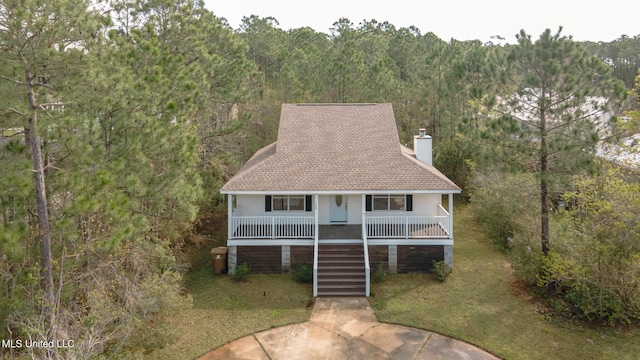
(41, 44)
(553, 109)
(122, 99)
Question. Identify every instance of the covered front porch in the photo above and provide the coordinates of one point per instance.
(284, 224)
(339, 216)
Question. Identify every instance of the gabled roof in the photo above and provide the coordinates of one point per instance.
(337, 147)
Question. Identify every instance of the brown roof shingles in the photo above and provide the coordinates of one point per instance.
(337, 147)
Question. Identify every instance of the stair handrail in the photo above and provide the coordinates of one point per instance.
(367, 268)
(316, 236)
(315, 265)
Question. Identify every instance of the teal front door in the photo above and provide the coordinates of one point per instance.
(338, 208)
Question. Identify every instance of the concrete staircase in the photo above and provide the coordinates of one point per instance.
(341, 270)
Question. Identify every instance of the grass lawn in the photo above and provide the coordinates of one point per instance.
(479, 303)
(224, 310)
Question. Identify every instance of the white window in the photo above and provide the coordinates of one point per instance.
(288, 202)
(388, 202)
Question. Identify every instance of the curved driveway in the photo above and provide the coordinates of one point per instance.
(346, 328)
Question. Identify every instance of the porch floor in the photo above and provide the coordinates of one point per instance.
(340, 232)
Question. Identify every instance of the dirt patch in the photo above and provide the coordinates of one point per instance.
(521, 289)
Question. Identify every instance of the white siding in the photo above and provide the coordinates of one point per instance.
(323, 209)
(249, 205)
(425, 204)
(253, 205)
(355, 209)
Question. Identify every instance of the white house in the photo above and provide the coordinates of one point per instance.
(337, 190)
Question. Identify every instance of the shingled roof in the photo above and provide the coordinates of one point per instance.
(337, 147)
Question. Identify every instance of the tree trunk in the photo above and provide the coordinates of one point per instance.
(544, 188)
(48, 306)
(544, 215)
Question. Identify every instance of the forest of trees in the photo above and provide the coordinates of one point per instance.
(120, 121)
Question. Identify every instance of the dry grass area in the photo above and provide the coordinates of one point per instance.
(481, 303)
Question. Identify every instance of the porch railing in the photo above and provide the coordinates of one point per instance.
(377, 227)
(272, 227)
(407, 227)
(442, 211)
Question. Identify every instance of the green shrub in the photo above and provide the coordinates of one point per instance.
(503, 206)
(596, 303)
(441, 270)
(507, 207)
(380, 275)
(578, 290)
(594, 265)
(303, 273)
(242, 272)
(526, 257)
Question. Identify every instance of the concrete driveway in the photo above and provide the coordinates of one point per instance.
(346, 328)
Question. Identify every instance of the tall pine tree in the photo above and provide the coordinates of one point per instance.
(42, 44)
(552, 110)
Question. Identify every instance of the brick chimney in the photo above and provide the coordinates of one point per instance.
(422, 147)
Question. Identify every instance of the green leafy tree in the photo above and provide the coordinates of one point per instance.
(596, 268)
(552, 109)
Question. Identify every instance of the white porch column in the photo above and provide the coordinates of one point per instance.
(367, 266)
(229, 216)
(364, 218)
(315, 214)
(232, 251)
(448, 249)
(451, 215)
(316, 235)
